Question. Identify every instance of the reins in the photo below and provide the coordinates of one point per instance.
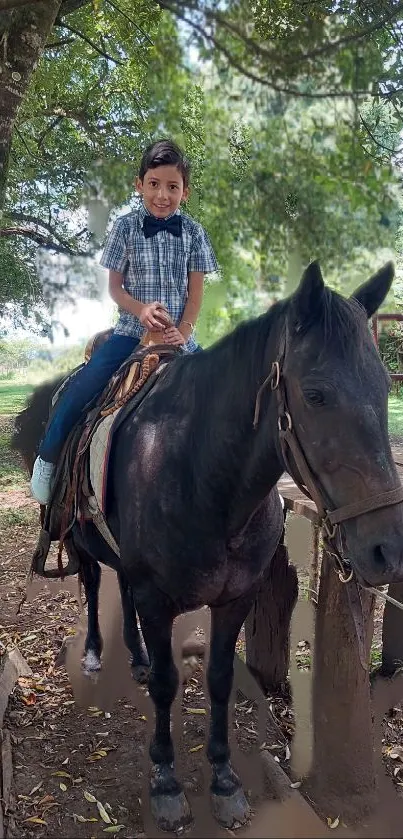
(329, 520)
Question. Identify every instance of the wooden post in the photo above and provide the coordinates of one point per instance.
(343, 780)
(267, 627)
(392, 633)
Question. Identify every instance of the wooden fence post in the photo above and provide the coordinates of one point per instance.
(343, 778)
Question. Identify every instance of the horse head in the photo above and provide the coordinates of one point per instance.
(335, 388)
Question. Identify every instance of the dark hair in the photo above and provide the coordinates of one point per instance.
(165, 153)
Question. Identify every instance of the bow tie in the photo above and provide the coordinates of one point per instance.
(152, 225)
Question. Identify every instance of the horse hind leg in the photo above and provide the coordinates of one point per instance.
(228, 801)
(169, 805)
(140, 663)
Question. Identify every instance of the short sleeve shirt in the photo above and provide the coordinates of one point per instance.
(156, 268)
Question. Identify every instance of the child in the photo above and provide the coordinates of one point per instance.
(157, 258)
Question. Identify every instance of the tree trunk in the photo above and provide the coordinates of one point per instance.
(343, 780)
(23, 34)
(267, 627)
(392, 633)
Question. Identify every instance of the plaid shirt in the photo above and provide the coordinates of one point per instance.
(156, 268)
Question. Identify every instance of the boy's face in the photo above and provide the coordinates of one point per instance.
(162, 190)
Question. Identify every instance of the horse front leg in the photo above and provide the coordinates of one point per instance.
(228, 801)
(91, 579)
(169, 806)
(140, 664)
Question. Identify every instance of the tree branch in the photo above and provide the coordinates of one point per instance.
(42, 240)
(288, 91)
(38, 222)
(130, 20)
(87, 40)
(74, 114)
(332, 46)
(25, 144)
(47, 130)
(377, 142)
(56, 44)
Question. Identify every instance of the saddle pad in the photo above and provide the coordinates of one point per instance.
(99, 457)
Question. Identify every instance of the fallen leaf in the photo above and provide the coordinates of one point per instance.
(35, 789)
(195, 710)
(63, 787)
(29, 700)
(45, 800)
(35, 820)
(91, 798)
(98, 754)
(113, 828)
(102, 812)
(196, 748)
(396, 753)
(287, 752)
(296, 785)
(334, 823)
(61, 774)
(82, 819)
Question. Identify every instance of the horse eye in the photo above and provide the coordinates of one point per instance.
(314, 397)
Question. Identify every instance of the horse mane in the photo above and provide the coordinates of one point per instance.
(339, 322)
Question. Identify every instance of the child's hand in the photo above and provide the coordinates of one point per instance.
(172, 335)
(154, 316)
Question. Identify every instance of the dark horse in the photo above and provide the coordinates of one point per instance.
(193, 502)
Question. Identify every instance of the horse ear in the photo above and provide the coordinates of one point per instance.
(372, 293)
(308, 297)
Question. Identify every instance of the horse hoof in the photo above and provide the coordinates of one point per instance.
(91, 662)
(140, 673)
(230, 810)
(171, 812)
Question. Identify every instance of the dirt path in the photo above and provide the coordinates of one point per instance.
(67, 754)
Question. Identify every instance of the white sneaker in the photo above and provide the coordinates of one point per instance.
(41, 480)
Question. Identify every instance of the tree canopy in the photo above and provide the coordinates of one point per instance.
(292, 121)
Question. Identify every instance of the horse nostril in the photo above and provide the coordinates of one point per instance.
(379, 555)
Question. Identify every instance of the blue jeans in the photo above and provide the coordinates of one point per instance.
(86, 384)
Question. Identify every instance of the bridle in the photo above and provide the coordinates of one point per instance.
(329, 520)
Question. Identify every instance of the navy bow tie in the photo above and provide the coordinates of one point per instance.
(152, 225)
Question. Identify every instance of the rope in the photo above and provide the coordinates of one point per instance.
(383, 595)
(150, 363)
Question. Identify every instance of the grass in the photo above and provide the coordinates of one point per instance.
(13, 396)
(11, 474)
(395, 415)
(18, 518)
